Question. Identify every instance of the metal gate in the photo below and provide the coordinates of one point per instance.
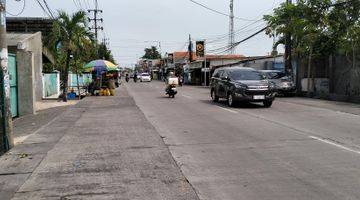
(13, 85)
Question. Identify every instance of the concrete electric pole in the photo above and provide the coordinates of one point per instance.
(96, 19)
(231, 28)
(190, 50)
(6, 139)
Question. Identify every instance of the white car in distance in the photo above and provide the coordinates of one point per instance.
(145, 77)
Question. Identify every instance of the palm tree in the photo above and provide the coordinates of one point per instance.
(67, 30)
(84, 42)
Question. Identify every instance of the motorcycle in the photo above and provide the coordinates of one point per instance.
(135, 78)
(171, 91)
(127, 78)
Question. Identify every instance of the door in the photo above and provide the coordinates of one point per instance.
(222, 84)
(216, 81)
(13, 85)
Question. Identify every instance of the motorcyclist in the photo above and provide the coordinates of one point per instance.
(168, 86)
(135, 77)
(171, 75)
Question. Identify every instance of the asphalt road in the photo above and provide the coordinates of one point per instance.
(297, 149)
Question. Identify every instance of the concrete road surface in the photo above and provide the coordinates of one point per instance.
(101, 148)
(298, 149)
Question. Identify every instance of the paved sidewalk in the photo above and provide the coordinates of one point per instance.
(101, 148)
(28, 124)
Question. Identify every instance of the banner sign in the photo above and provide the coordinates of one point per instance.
(200, 48)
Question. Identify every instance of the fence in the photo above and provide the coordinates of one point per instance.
(84, 81)
(51, 85)
(342, 74)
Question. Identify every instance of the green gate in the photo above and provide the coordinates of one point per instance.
(13, 85)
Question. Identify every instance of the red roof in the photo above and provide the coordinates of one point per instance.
(185, 54)
(215, 57)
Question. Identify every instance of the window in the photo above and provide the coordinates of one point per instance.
(246, 75)
(217, 74)
(224, 74)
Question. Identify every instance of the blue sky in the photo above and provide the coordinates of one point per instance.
(132, 25)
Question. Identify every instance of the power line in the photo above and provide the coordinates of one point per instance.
(76, 4)
(96, 19)
(237, 33)
(81, 7)
(229, 47)
(240, 30)
(43, 8)
(87, 5)
(48, 8)
(251, 36)
(19, 13)
(218, 12)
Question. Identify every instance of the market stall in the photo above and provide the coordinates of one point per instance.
(105, 75)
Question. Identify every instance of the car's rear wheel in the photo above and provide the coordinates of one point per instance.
(214, 97)
(230, 100)
(267, 104)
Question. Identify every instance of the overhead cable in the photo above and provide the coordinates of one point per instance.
(218, 12)
(19, 13)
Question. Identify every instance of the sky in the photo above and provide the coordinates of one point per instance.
(132, 25)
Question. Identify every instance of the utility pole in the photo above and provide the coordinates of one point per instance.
(205, 66)
(231, 28)
(190, 50)
(160, 49)
(288, 47)
(96, 19)
(105, 41)
(6, 137)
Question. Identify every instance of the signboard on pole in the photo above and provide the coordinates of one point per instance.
(200, 48)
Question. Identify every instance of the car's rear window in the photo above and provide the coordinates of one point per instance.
(246, 75)
(145, 75)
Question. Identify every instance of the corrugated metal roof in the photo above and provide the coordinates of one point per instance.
(29, 24)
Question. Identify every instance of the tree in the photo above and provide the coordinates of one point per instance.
(66, 31)
(105, 53)
(319, 28)
(84, 40)
(151, 53)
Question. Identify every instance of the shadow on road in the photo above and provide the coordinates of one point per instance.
(243, 105)
(164, 97)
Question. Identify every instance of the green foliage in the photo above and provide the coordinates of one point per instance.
(105, 53)
(151, 53)
(71, 32)
(322, 26)
(67, 40)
